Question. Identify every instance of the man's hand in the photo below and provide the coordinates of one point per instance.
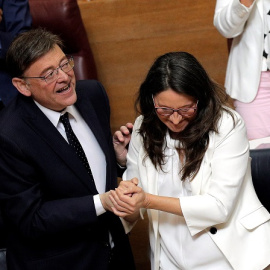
(106, 201)
(121, 139)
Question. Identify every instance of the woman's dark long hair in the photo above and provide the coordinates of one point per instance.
(181, 72)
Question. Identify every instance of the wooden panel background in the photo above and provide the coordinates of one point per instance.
(127, 35)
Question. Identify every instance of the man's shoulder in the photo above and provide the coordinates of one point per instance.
(14, 113)
(90, 89)
(85, 86)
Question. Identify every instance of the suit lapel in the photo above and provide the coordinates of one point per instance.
(88, 113)
(42, 126)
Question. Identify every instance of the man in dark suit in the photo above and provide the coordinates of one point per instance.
(57, 211)
(15, 18)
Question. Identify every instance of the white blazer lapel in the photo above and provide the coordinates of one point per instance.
(204, 174)
(149, 183)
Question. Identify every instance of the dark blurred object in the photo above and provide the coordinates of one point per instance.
(3, 265)
(2, 234)
(229, 44)
(1, 105)
(63, 17)
(260, 169)
(16, 19)
(3, 240)
(2, 229)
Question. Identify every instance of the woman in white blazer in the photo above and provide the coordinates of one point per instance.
(190, 154)
(248, 77)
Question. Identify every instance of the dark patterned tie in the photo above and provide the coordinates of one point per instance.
(74, 143)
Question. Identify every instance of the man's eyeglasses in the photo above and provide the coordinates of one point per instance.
(54, 74)
(185, 112)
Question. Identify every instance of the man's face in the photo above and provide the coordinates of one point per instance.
(56, 95)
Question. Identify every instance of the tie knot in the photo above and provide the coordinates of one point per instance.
(64, 117)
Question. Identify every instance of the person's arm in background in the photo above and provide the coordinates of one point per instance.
(231, 16)
(16, 18)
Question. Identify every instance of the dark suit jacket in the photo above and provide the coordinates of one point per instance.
(16, 19)
(47, 195)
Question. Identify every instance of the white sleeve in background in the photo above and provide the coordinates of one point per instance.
(230, 17)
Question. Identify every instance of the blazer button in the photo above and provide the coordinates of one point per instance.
(213, 230)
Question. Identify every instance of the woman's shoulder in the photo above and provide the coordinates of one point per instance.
(136, 137)
(230, 124)
(230, 117)
(138, 122)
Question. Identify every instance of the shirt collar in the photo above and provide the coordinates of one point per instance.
(54, 116)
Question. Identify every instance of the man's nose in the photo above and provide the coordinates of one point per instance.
(62, 75)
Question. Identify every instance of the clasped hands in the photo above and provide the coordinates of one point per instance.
(125, 200)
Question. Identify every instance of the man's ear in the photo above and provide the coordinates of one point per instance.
(22, 86)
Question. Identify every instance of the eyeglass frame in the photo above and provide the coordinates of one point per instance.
(175, 110)
(69, 58)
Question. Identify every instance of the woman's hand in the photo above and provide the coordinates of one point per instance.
(247, 3)
(121, 139)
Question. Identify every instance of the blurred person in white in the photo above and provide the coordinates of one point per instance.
(247, 76)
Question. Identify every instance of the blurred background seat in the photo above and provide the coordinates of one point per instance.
(260, 169)
(63, 17)
(229, 44)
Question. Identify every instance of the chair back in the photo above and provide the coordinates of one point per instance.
(63, 17)
(229, 44)
(260, 170)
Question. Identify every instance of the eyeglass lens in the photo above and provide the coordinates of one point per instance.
(66, 67)
(182, 111)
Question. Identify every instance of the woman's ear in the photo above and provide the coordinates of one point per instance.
(22, 86)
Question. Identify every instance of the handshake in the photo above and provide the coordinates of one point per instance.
(126, 200)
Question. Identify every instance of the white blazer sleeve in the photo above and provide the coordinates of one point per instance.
(230, 17)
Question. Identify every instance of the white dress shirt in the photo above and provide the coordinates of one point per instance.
(93, 152)
(180, 250)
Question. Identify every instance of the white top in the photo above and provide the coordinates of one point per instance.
(223, 196)
(179, 250)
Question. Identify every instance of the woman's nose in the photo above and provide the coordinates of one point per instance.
(175, 118)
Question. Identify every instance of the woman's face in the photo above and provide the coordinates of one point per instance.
(175, 110)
